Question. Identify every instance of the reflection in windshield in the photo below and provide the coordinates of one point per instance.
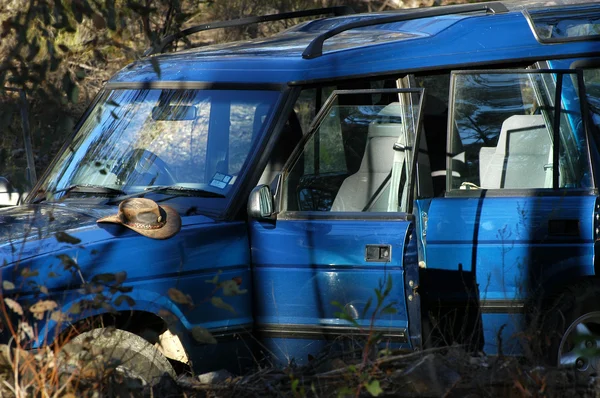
(134, 139)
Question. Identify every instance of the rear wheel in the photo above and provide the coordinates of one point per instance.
(124, 352)
(573, 330)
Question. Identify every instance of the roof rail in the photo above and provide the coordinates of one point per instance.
(336, 11)
(315, 48)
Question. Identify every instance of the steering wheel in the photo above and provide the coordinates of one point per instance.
(145, 167)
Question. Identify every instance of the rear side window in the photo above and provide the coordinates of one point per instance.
(591, 79)
(506, 133)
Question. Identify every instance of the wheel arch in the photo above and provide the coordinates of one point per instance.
(153, 317)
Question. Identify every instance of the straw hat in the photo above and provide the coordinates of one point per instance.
(147, 218)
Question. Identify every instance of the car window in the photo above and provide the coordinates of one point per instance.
(591, 79)
(502, 132)
(134, 139)
(378, 130)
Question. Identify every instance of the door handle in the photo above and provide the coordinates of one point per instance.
(378, 253)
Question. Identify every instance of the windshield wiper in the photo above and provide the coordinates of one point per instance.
(82, 188)
(177, 189)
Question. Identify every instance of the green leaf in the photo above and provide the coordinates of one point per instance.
(75, 308)
(8, 285)
(295, 383)
(74, 94)
(388, 288)
(14, 306)
(65, 237)
(123, 289)
(80, 74)
(373, 388)
(389, 310)
(103, 278)
(345, 392)
(27, 273)
(119, 300)
(179, 297)
(120, 276)
(219, 303)
(202, 335)
(108, 308)
(366, 309)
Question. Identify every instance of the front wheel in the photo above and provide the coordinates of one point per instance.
(573, 330)
(122, 351)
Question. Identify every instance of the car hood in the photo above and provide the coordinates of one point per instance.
(31, 230)
(38, 221)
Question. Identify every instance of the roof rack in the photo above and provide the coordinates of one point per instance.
(315, 48)
(336, 11)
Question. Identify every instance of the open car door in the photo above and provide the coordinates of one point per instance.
(344, 244)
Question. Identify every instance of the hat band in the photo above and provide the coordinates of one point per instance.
(145, 226)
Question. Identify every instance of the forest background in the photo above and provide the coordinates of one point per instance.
(59, 53)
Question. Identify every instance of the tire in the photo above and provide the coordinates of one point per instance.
(571, 330)
(125, 352)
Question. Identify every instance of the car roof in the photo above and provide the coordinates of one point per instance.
(438, 42)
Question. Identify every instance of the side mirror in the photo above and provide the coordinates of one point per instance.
(260, 202)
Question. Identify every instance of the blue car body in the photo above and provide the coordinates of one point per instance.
(486, 252)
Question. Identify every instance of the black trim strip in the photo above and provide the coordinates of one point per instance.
(373, 266)
(315, 47)
(342, 215)
(520, 193)
(325, 332)
(484, 307)
(230, 333)
(502, 306)
(556, 132)
(336, 11)
(554, 241)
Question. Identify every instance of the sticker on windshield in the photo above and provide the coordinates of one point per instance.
(220, 180)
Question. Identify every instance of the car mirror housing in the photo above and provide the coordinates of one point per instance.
(260, 202)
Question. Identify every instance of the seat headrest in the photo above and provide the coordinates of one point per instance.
(388, 122)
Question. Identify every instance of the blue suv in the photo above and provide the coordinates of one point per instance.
(245, 194)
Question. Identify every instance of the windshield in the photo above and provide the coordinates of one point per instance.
(134, 140)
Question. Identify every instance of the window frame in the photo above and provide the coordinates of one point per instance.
(314, 127)
(451, 192)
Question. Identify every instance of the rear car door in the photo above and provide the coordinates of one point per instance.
(517, 220)
(338, 244)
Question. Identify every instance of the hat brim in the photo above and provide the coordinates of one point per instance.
(171, 227)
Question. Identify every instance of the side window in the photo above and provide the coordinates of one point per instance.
(358, 159)
(435, 130)
(502, 134)
(591, 79)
